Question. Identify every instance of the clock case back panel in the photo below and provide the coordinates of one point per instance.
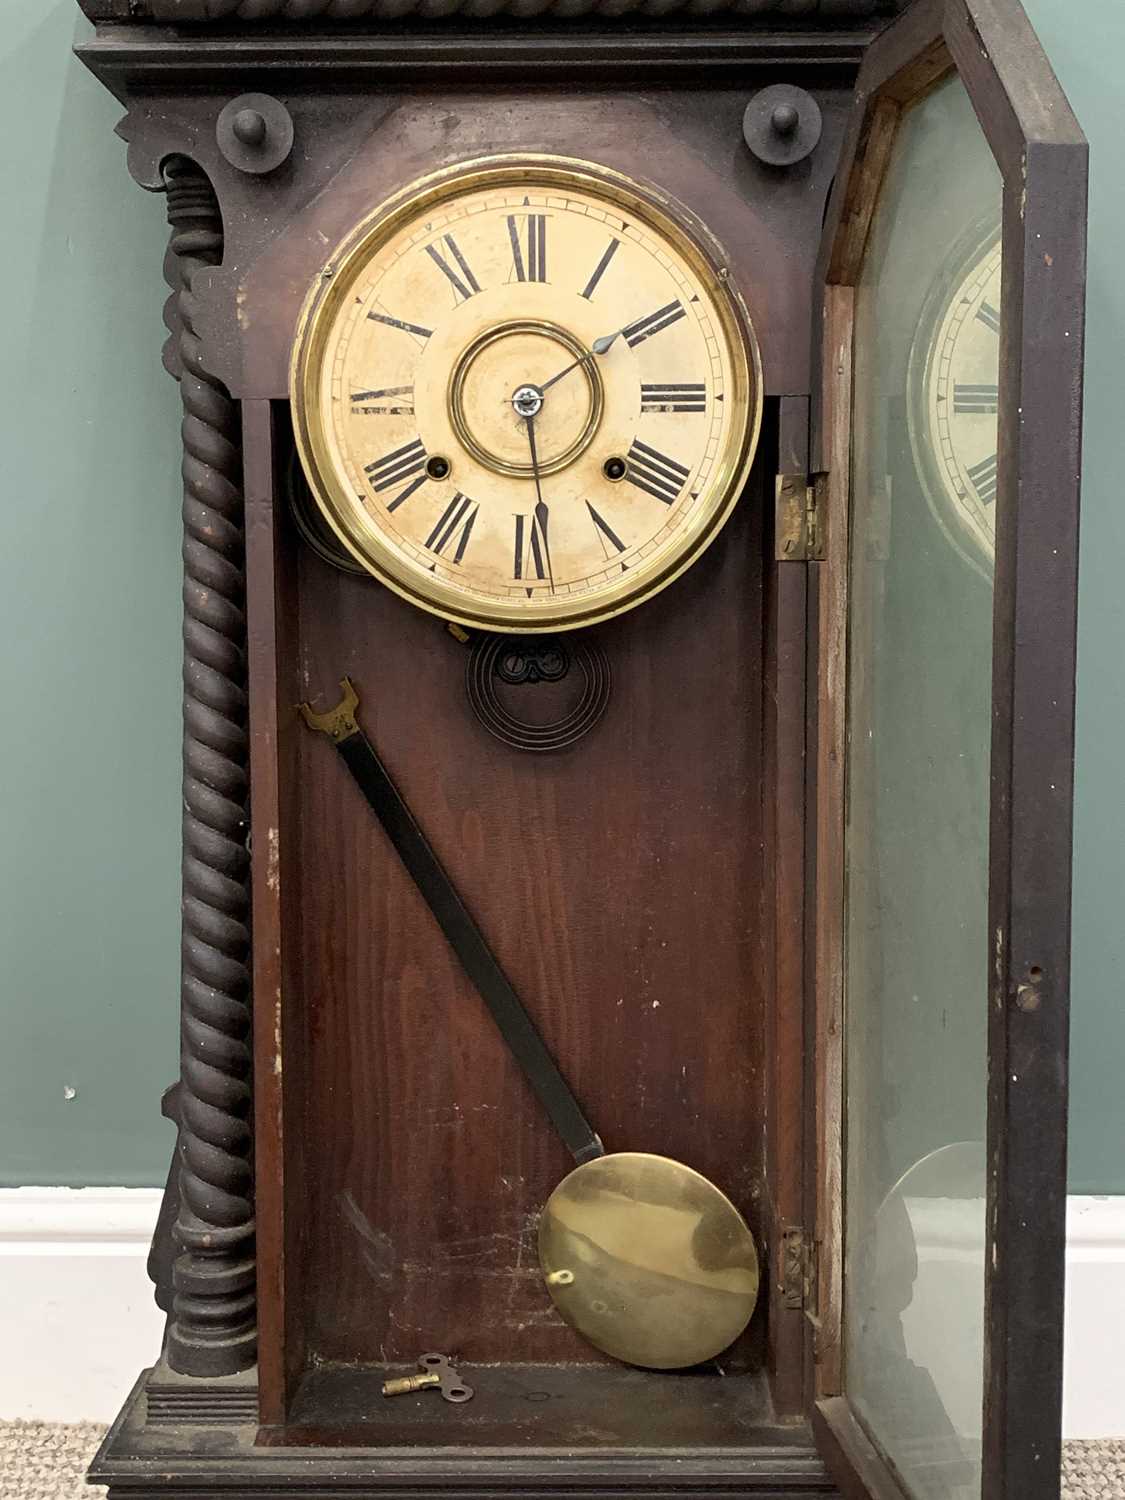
(622, 882)
(618, 882)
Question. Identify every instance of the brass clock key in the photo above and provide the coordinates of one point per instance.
(435, 1372)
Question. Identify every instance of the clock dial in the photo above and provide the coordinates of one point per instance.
(955, 410)
(526, 395)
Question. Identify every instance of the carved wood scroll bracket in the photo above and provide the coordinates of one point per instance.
(213, 1329)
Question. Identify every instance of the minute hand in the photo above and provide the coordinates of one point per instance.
(599, 346)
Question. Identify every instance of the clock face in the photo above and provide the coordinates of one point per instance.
(956, 377)
(526, 395)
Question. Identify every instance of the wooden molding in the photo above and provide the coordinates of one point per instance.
(321, 15)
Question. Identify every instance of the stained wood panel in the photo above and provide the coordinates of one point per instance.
(619, 883)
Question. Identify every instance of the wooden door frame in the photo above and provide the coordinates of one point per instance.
(1042, 156)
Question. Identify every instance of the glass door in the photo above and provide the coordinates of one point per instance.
(924, 485)
(948, 433)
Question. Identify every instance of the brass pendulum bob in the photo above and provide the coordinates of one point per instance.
(648, 1260)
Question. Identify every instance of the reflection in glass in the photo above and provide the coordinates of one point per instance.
(920, 651)
(953, 396)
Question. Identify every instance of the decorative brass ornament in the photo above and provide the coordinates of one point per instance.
(525, 393)
(648, 1260)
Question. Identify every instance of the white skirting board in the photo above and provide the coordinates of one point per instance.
(1094, 1372)
(77, 1319)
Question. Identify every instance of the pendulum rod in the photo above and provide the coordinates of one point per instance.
(465, 938)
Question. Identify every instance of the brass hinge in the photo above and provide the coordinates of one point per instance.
(798, 1269)
(798, 521)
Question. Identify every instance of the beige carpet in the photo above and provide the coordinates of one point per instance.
(1092, 1471)
(45, 1461)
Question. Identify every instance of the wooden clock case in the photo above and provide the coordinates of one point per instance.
(359, 1163)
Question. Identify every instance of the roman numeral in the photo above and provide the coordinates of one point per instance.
(976, 398)
(676, 397)
(600, 269)
(414, 329)
(364, 403)
(465, 287)
(530, 549)
(988, 315)
(984, 477)
(654, 473)
(457, 520)
(529, 246)
(606, 532)
(656, 322)
(387, 472)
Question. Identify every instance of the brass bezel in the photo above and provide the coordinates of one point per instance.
(664, 217)
(464, 364)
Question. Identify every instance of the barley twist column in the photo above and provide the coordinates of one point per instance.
(213, 1326)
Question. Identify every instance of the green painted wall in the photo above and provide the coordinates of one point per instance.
(89, 617)
(1085, 40)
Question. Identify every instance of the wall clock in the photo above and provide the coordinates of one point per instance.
(954, 397)
(477, 433)
(541, 375)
